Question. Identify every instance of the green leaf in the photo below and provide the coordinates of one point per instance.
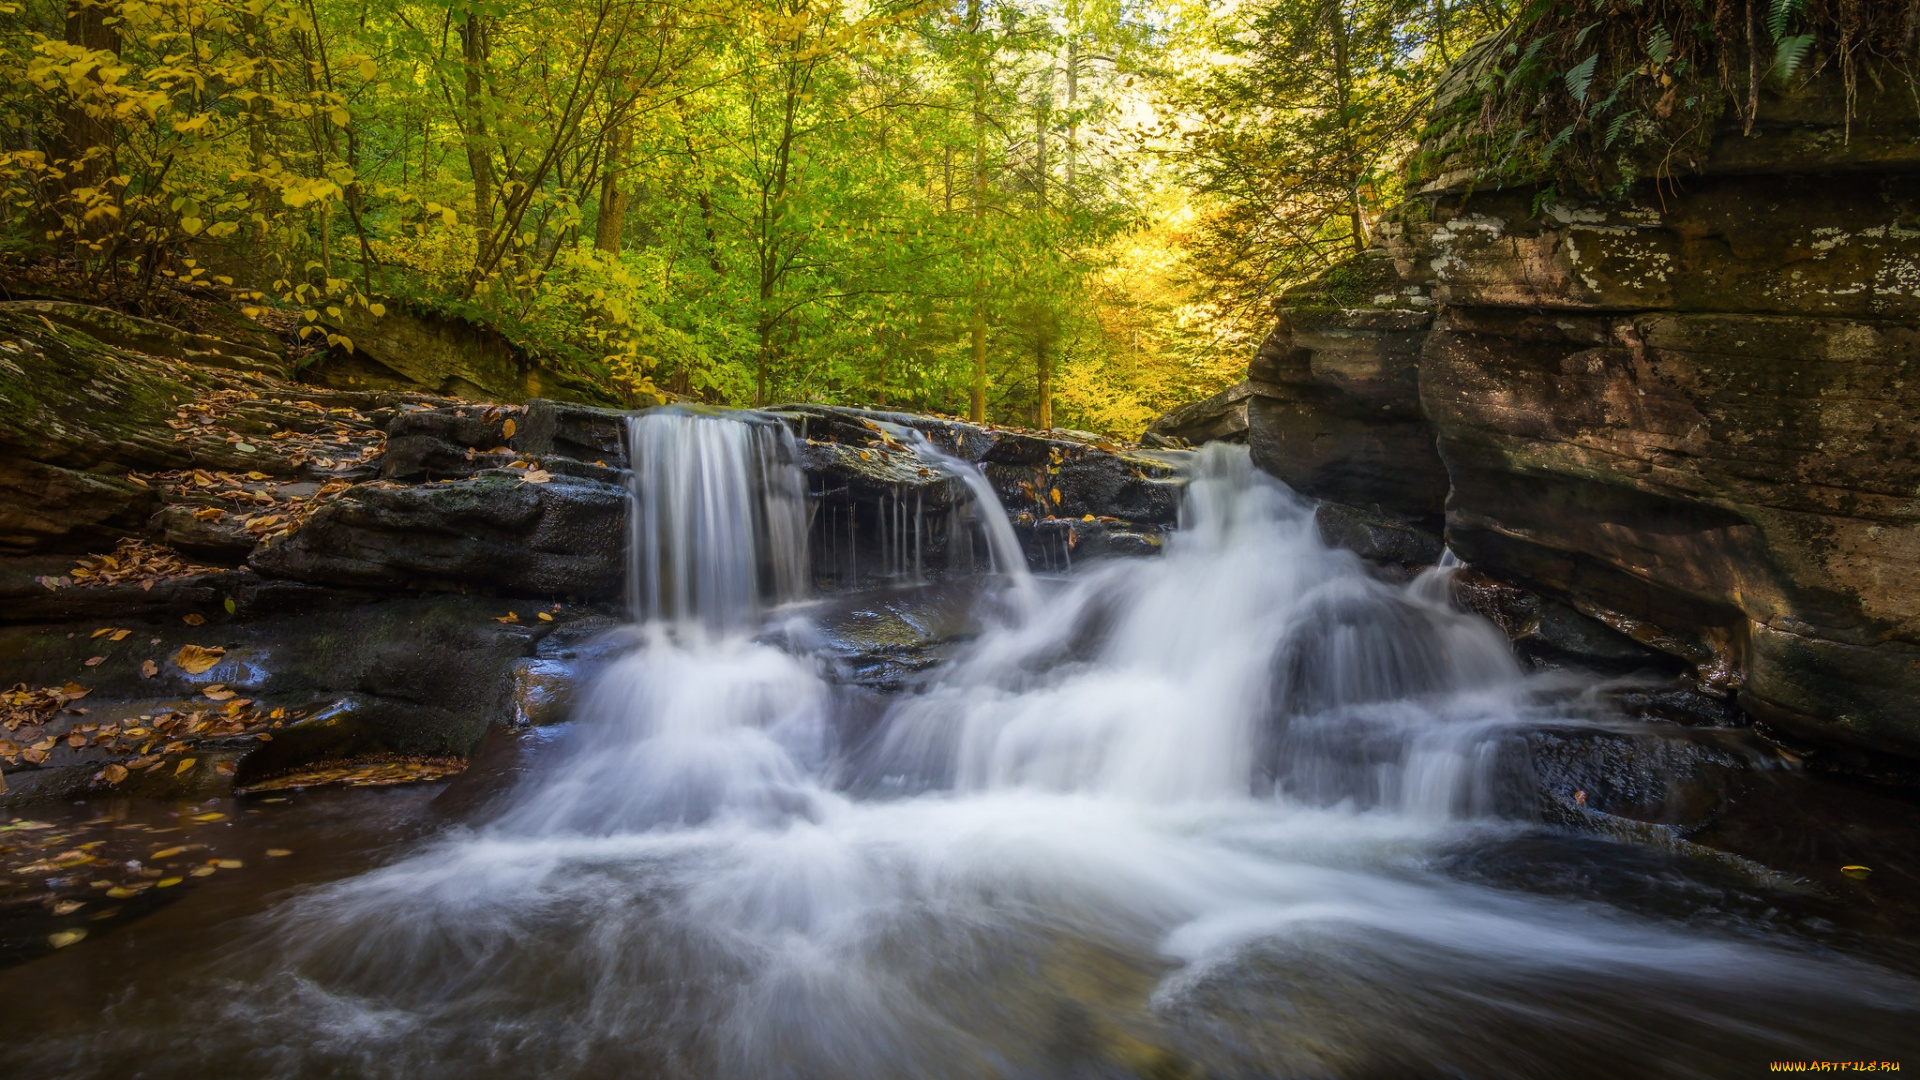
(1659, 46)
(1581, 77)
(1793, 50)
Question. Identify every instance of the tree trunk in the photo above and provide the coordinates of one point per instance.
(86, 140)
(1043, 362)
(611, 218)
(1336, 23)
(473, 62)
(977, 404)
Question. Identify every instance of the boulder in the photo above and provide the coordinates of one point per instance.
(1334, 409)
(563, 538)
(406, 348)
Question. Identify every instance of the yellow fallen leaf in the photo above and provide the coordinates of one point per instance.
(68, 907)
(210, 816)
(506, 430)
(102, 632)
(544, 617)
(115, 773)
(1055, 492)
(218, 693)
(278, 853)
(1858, 873)
(120, 635)
(121, 892)
(200, 871)
(194, 619)
(197, 659)
(229, 864)
(509, 617)
(185, 764)
(148, 669)
(62, 938)
(168, 853)
(168, 882)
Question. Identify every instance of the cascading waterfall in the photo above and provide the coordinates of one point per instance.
(1171, 817)
(718, 518)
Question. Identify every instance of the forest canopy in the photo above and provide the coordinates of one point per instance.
(1069, 213)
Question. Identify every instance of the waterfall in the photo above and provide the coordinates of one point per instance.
(717, 524)
(1198, 806)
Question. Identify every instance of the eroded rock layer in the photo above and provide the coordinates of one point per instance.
(1689, 412)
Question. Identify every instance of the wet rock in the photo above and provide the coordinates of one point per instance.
(1220, 418)
(1681, 780)
(560, 539)
(885, 640)
(221, 541)
(396, 678)
(1377, 538)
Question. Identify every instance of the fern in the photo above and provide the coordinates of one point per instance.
(1659, 46)
(1793, 50)
(1619, 125)
(1581, 77)
(1779, 13)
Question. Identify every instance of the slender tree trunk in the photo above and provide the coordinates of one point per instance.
(611, 218)
(86, 140)
(977, 406)
(1336, 22)
(473, 62)
(1073, 111)
(1043, 363)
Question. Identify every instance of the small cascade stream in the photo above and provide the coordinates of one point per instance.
(1188, 816)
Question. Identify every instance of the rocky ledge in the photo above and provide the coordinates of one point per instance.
(212, 576)
(1688, 413)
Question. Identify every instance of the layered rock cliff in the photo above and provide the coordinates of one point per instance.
(1689, 410)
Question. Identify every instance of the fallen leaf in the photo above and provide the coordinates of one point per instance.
(544, 617)
(218, 693)
(506, 430)
(509, 617)
(168, 853)
(536, 476)
(185, 764)
(210, 816)
(1858, 873)
(200, 871)
(229, 864)
(114, 773)
(68, 907)
(95, 661)
(168, 882)
(278, 853)
(63, 938)
(224, 768)
(120, 635)
(198, 659)
(102, 632)
(194, 619)
(148, 669)
(121, 892)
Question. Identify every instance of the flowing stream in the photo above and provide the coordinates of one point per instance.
(1193, 816)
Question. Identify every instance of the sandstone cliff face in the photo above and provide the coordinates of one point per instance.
(1691, 412)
